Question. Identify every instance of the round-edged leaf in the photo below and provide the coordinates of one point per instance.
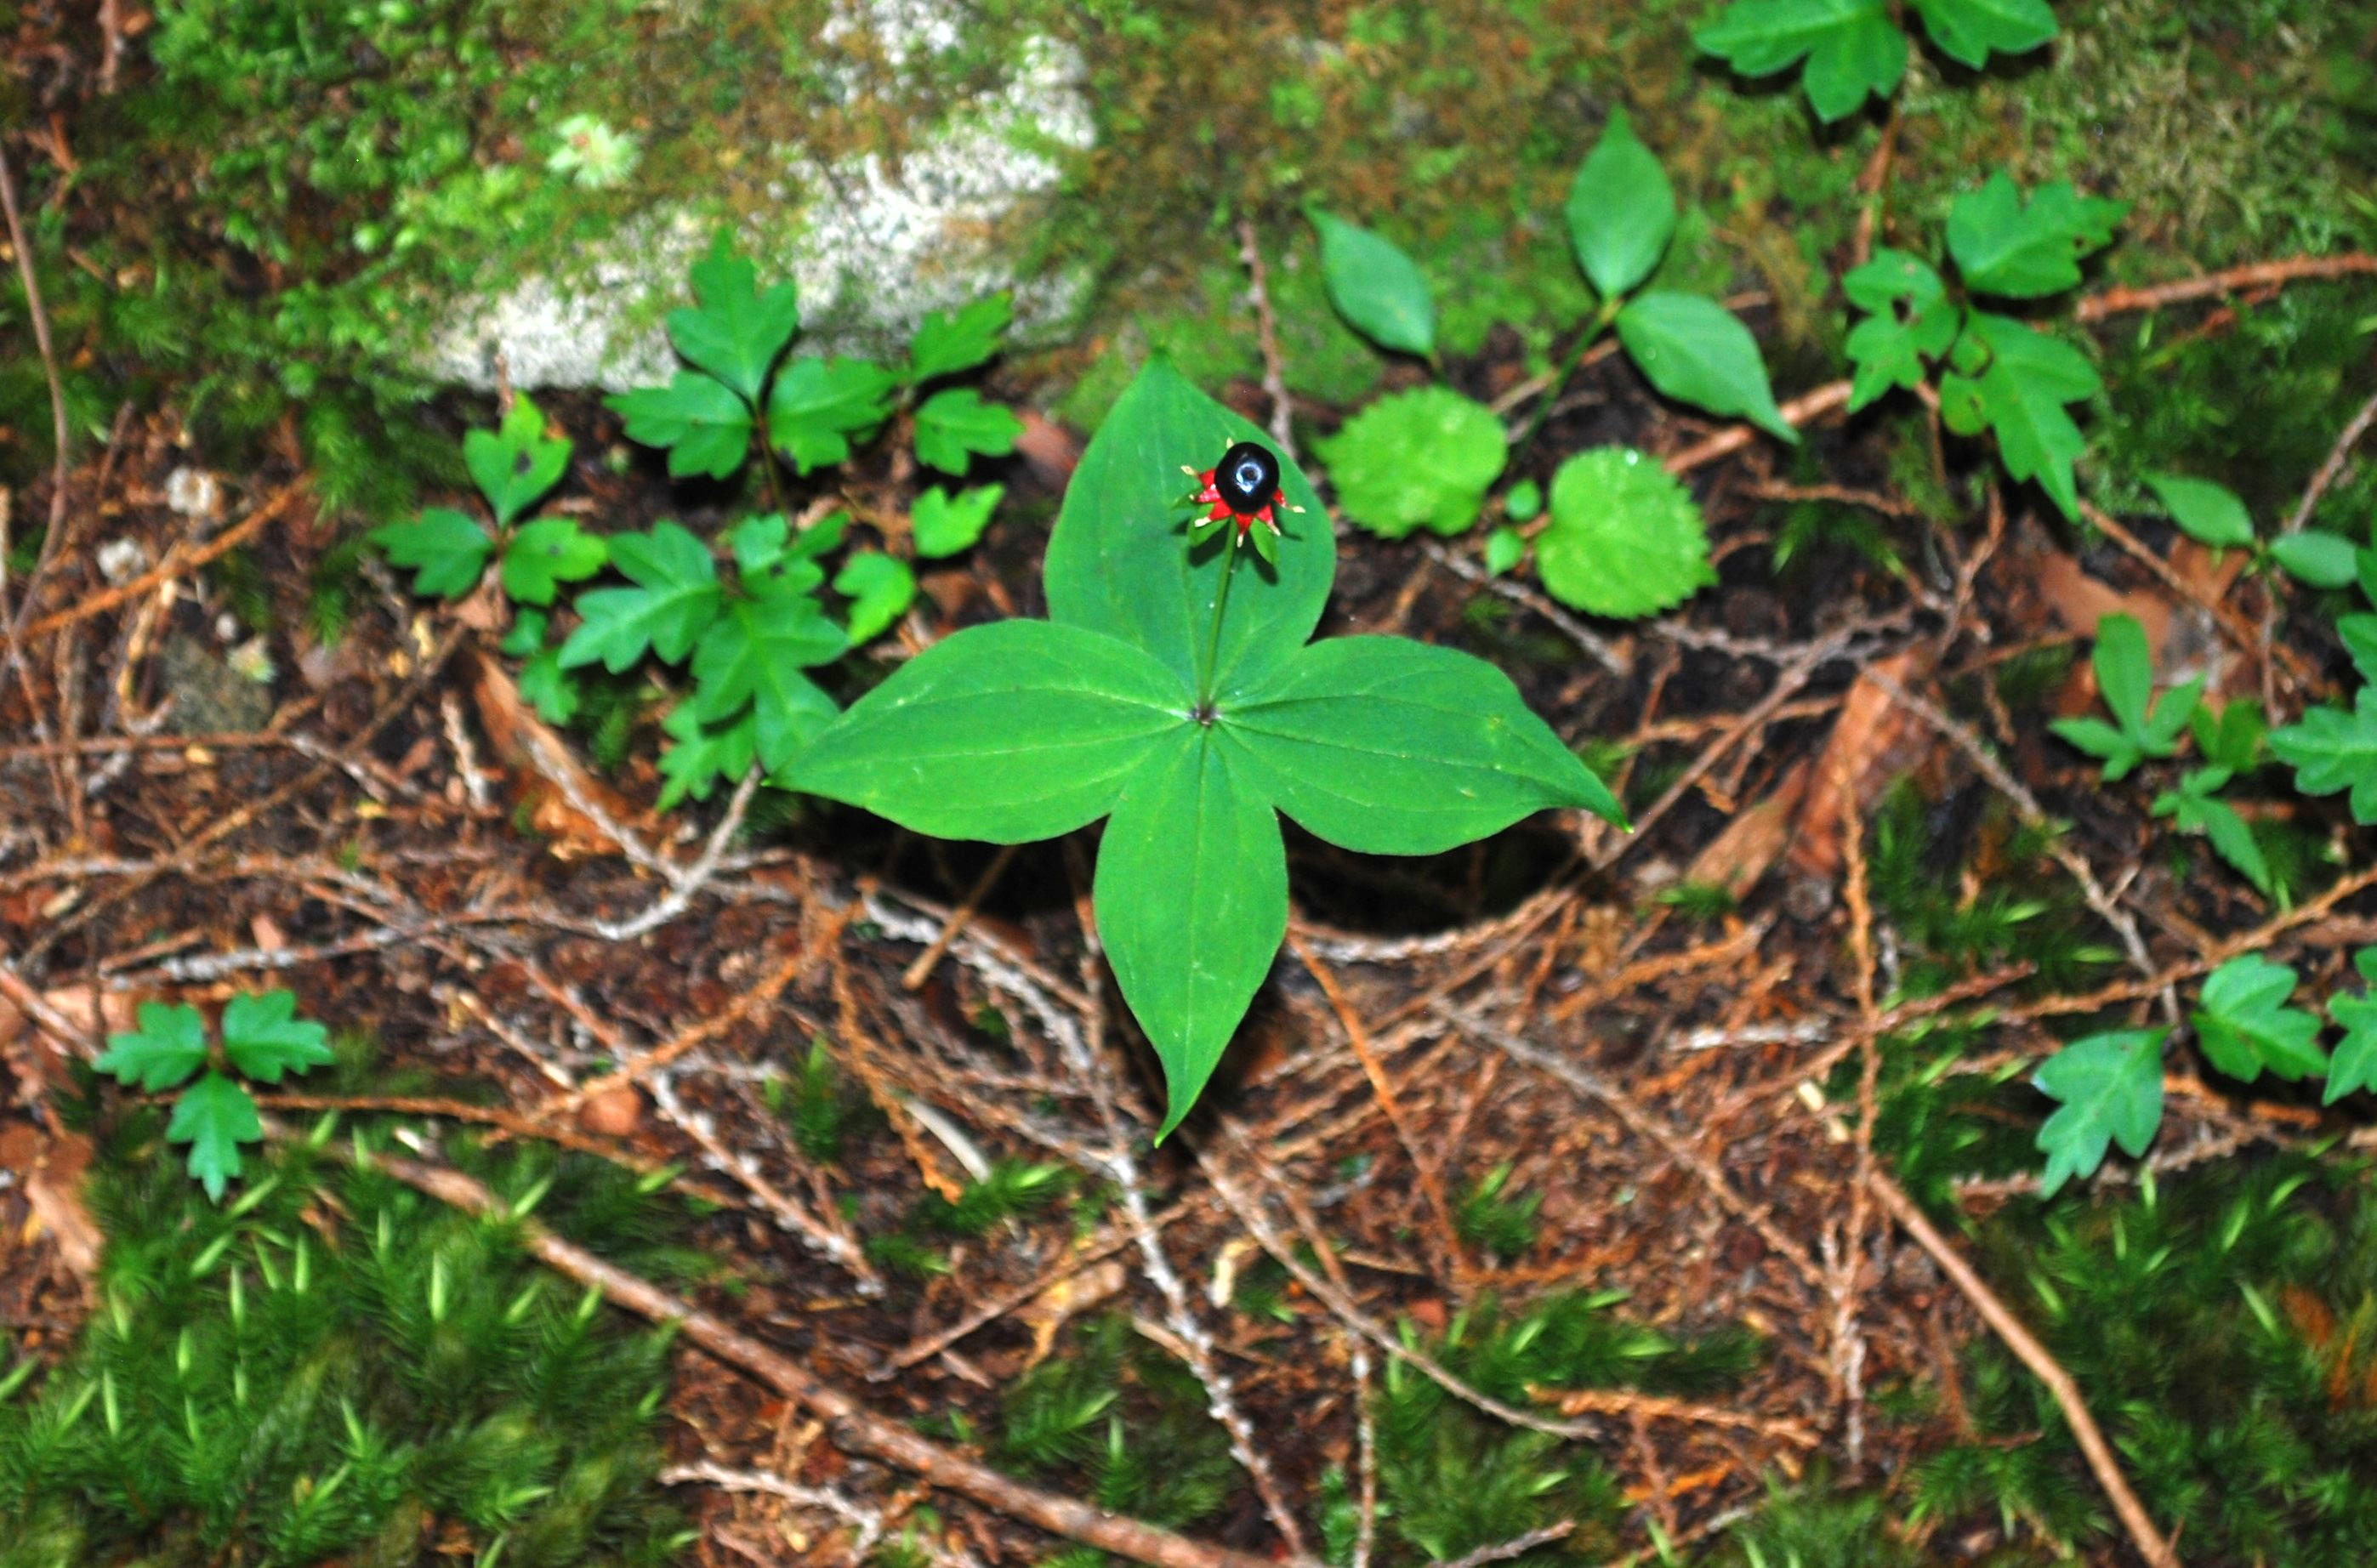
(2323, 560)
(2208, 513)
(1192, 900)
(1505, 548)
(1698, 353)
(944, 525)
(1626, 537)
(1622, 210)
(1376, 287)
(879, 588)
(1393, 747)
(445, 550)
(1016, 731)
(1421, 458)
(1523, 501)
(1120, 562)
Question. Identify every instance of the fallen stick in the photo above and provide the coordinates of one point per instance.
(2237, 280)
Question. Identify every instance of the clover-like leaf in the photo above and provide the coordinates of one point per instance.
(948, 525)
(2025, 252)
(264, 1036)
(546, 554)
(818, 407)
(1622, 210)
(515, 463)
(169, 1046)
(1421, 458)
(1853, 48)
(1376, 287)
(214, 1116)
(955, 425)
(2111, 1088)
(1625, 538)
(2244, 1024)
(701, 420)
(2333, 750)
(732, 330)
(675, 599)
(947, 343)
(445, 550)
(1698, 353)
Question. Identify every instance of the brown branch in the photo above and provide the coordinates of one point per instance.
(222, 544)
(2236, 279)
(2332, 469)
(57, 391)
(1802, 409)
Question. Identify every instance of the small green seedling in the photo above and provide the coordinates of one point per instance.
(262, 1039)
(2142, 727)
(1857, 49)
(1173, 692)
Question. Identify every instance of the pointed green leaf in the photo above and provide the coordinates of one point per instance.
(546, 554)
(1625, 538)
(952, 426)
(2002, 246)
(702, 755)
(1392, 747)
(2196, 809)
(2124, 665)
(1421, 458)
(1376, 288)
(1505, 548)
(1968, 30)
(2111, 1088)
(1016, 731)
(515, 463)
(818, 407)
(445, 550)
(1120, 561)
(755, 654)
(879, 588)
(2323, 560)
(2331, 750)
(1853, 48)
(2244, 1024)
(947, 343)
(214, 1116)
(732, 330)
(2018, 394)
(1191, 899)
(2207, 512)
(2355, 1063)
(946, 524)
(169, 1045)
(675, 598)
(264, 1036)
(1622, 210)
(705, 427)
(1913, 321)
(1697, 352)
(553, 692)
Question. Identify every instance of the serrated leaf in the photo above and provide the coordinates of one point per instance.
(2027, 252)
(1968, 30)
(1376, 287)
(675, 599)
(515, 463)
(944, 525)
(2354, 1065)
(1853, 48)
(946, 343)
(2359, 633)
(700, 755)
(214, 1116)
(2244, 1024)
(169, 1046)
(1697, 352)
(1624, 539)
(954, 425)
(546, 554)
(705, 427)
(1622, 210)
(754, 654)
(1420, 458)
(2331, 750)
(2323, 560)
(527, 634)
(1912, 320)
(553, 690)
(2196, 809)
(2018, 394)
(446, 550)
(264, 1036)
(2207, 512)
(880, 587)
(732, 330)
(818, 407)
(2111, 1088)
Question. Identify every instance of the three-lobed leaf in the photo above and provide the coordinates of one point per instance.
(2196, 807)
(445, 550)
(1625, 538)
(1419, 459)
(674, 599)
(817, 408)
(1911, 320)
(755, 653)
(1853, 48)
(264, 1036)
(2026, 251)
(1696, 351)
(1376, 287)
(547, 552)
(1622, 210)
(732, 330)
(953, 426)
(169, 1046)
(2244, 1024)
(879, 588)
(214, 1116)
(2142, 728)
(705, 427)
(2015, 384)
(2354, 1065)
(2111, 1088)
(943, 524)
(948, 342)
(515, 463)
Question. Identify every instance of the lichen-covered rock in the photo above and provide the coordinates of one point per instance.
(873, 241)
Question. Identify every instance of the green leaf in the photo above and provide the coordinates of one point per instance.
(445, 550)
(2331, 750)
(1912, 320)
(2244, 1024)
(2323, 560)
(264, 1036)
(1421, 458)
(703, 755)
(1118, 562)
(2023, 381)
(527, 634)
(947, 343)
(755, 654)
(1192, 900)
(732, 330)
(1523, 501)
(2355, 1063)
(2207, 512)
(1392, 747)
(818, 407)
(953, 425)
(551, 690)
(1376, 288)
(515, 464)
(546, 554)
(1966, 31)
(674, 599)
(705, 427)
(1626, 539)
(2196, 809)
(2124, 662)
(1505, 548)
(169, 1045)
(2233, 739)
(2144, 729)
(946, 524)
(1012, 732)
(214, 1116)
(879, 588)
(2026, 252)
(1622, 210)
(2360, 635)
(1695, 351)
(2111, 1088)
(1852, 47)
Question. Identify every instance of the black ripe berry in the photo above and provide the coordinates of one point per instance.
(1247, 478)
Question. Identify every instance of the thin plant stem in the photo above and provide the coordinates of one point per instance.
(1210, 654)
(1575, 356)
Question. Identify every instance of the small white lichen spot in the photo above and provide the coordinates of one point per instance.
(121, 559)
(192, 492)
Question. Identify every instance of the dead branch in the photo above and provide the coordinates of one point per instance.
(2235, 280)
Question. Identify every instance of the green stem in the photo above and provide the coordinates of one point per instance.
(768, 467)
(1591, 335)
(1211, 653)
